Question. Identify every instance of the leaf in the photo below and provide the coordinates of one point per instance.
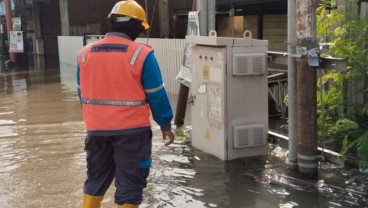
(365, 110)
(347, 37)
(344, 148)
(362, 150)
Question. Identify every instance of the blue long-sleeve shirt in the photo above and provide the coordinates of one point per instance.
(156, 94)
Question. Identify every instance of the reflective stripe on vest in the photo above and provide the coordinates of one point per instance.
(84, 55)
(109, 48)
(136, 54)
(113, 102)
(112, 95)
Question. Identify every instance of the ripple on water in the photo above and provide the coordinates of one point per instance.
(174, 158)
(166, 195)
(6, 113)
(6, 122)
(7, 132)
(41, 154)
(280, 192)
(288, 205)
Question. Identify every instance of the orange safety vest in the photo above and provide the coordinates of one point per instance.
(112, 94)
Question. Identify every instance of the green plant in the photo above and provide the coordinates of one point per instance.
(342, 121)
(362, 150)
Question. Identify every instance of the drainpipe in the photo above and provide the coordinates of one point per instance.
(203, 10)
(293, 144)
(9, 24)
(211, 15)
(307, 86)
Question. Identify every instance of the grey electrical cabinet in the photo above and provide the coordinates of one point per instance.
(229, 93)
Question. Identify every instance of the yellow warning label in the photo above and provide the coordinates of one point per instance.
(206, 73)
(207, 135)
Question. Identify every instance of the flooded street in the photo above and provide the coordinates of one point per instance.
(42, 162)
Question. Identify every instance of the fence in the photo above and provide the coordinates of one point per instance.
(169, 53)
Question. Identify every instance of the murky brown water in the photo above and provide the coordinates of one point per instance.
(42, 162)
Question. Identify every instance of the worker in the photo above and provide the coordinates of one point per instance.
(120, 85)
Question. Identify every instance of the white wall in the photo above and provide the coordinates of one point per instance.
(69, 47)
(169, 53)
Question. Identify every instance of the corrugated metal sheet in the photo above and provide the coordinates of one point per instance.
(169, 53)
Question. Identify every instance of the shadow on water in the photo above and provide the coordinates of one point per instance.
(42, 161)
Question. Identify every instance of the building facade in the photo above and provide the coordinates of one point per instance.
(45, 20)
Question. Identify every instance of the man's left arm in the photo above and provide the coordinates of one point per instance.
(157, 96)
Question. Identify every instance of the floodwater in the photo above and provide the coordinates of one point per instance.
(42, 162)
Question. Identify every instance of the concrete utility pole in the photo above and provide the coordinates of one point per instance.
(203, 14)
(307, 86)
(9, 24)
(211, 15)
(292, 127)
(64, 17)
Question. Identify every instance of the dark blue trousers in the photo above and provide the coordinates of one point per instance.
(125, 158)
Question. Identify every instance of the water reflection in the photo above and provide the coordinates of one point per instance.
(42, 161)
(38, 141)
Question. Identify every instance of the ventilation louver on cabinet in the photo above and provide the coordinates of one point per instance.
(249, 64)
(249, 135)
